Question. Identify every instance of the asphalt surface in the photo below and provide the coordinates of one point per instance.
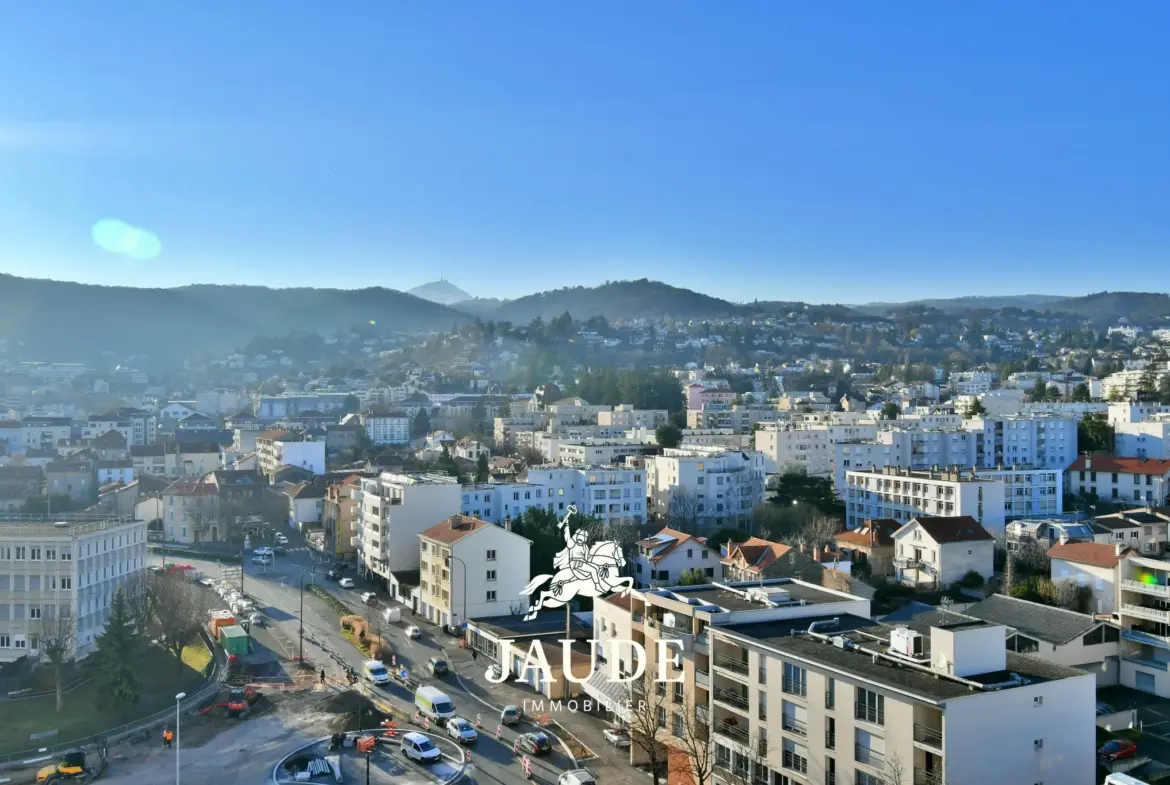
(275, 589)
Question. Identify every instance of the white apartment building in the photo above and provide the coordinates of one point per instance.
(386, 426)
(44, 432)
(1148, 438)
(393, 509)
(797, 685)
(1125, 385)
(1141, 481)
(971, 382)
(661, 559)
(505, 501)
(1134, 412)
(278, 448)
(471, 569)
(625, 417)
(1045, 441)
(68, 564)
(1091, 564)
(807, 447)
(136, 426)
(995, 402)
(1078, 409)
(1028, 492)
(905, 449)
(724, 486)
(938, 552)
(904, 494)
(1144, 611)
(595, 452)
(613, 494)
(505, 428)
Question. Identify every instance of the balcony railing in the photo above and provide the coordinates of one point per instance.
(929, 736)
(1146, 662)
(703, 679)
(924, 777)
(1156, 589)
(732, 664)
(868, 756)
(830, 700)
(794, 687)
(830, 739)
(793, 725)
(731, 698)
(1137, 636)
(733, 732)
(1142, 612)
(790, 760)
(869, 713)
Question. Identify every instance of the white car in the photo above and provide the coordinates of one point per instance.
(413, 632)
(265, 551)
(462, 731)
(418, 747)
(261, 560)
(345, 583)
(369, 598)
(617, 737)
(282, 539)
(577, 777)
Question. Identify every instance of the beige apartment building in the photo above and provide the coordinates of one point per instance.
(795, 684)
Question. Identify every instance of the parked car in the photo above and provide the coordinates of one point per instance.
(1118, 749)
(462, 731)
(413, 632)
(617, 737)
(369, 598)
(537, 744)
(345, 583)
(511, 715)
(578, 777)
(418, 747)
(265, 551)
(437, 666)
(282, 539)
(256, 619)
(280, 550)
(261, 560)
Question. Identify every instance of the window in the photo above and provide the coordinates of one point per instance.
(491, 555)
(20, 552)
(662, 716)
(690, 553)
(423, 547)
(795, 757)
(830, 733)
(830, 693)
(1038, 701)
(50, 554)
(677, 725)
(703, 554)
(491, 596)
(870, 707)
(794, 680)
(34, 612)
(491, 575)
(5, 642)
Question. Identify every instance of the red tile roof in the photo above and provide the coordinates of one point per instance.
(758, 554)
(454, 529)
(875, 532)
(1099, 554)
(1109, 463)
(667, 546)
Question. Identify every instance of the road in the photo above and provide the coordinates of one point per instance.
(276, 591)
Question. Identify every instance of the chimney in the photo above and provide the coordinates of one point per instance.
(1088, 461)
(508, 523)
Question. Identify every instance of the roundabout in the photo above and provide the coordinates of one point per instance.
(386, 763)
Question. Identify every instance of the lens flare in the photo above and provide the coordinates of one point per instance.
(121, 238)
(372, 321)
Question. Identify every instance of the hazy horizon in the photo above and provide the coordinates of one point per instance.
(766, 151)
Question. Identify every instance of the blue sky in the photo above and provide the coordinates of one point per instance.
(777, 150)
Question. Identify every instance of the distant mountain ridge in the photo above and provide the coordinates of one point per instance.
(993, 302)
(617, 300)
(441, 291)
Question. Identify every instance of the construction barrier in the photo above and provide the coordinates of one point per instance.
(499, 732)
(478, 720)
(527, 764)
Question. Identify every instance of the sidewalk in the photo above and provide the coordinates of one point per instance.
(610, 763)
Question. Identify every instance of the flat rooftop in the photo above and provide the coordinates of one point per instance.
(889, 671)
(548, 624)
(746, 595)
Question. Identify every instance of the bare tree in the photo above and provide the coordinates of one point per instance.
(646, 714)
(181, 610)
(894, 772)
(136, 590)
(815, 533)
(694, 740)
(744, 768)
(683, 509)
(58, 642)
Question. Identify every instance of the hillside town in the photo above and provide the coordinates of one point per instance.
(958, 529)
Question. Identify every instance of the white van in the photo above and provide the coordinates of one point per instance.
(577, 777)
(392, 615)
(376, 672)
(418, 747)
(433, 703)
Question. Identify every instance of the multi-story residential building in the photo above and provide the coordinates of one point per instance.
(1143, 608)
(1028, 492)
(917, 448)
(1148, 438)
(700, 396)
(716, 487)
(1077, 409)
(808, 446)
(176, 459)
(904, 494)
(625, 417)
(872, 542)
(939, 552)
(339, 517)
(971, 382)
(471, 569)
(505, 501)
(1092, 564)
(613, 494)
(393, 509)
(1142, 529)
(505, 428)
(1119, 480)
(73, 477)
(63, 564)
(796, 684)
(271, 408)
(386, 426)
(138, 427)
(276, 448)
(471, 449)
(44, 432)
(190, 511)
(1126, 385)
(661, 560)
(1134, 411)
(597, 452)
(1046, 441)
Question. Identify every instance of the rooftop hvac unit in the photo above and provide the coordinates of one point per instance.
(907, 642)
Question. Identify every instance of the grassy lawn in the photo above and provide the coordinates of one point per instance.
(160, 680)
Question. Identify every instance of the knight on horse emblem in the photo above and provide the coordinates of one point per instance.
(583, 569)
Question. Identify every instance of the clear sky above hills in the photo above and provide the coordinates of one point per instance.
(773, 150)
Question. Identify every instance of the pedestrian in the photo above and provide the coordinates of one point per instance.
(474, 654)
(322, 675)
(168, 737)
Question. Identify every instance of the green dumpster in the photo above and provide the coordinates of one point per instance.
(234, 640)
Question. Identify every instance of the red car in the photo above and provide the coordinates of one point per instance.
(1117, 749)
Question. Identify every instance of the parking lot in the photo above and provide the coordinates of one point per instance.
(1153, 718)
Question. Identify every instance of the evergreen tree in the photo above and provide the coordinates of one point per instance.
(481, 468)
(1080, 393)
(420, 426)
(115, 655)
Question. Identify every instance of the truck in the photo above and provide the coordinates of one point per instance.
(434, 703)
(392, 615)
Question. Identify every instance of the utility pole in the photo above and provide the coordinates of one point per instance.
(301, 656)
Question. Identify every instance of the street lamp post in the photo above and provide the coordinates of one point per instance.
(302, 613)
(463, 616)
(178, 738)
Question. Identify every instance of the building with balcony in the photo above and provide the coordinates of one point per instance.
(938, 552)
(1143, 529)
(66, 565)
(471, 569)
(1039, 439)
(1091, 564)
(1143, 610)
(613, 494)
(905, 494)
(717, 487)
(392, 510)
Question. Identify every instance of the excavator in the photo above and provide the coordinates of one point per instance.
(238, 702)
(71, 768)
